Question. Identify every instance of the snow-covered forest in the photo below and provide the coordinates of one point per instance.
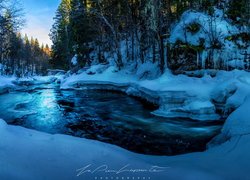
(19, 55)
(181, 35)
(129, 89)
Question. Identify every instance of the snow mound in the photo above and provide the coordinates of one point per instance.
(182, 105)
(208, 25)
(6, 83)
(238, 123)
(148, 70)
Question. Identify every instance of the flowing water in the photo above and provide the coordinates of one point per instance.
(105, 116)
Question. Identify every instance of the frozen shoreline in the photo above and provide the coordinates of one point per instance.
(179, 102)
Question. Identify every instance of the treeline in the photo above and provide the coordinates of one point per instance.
(127, 31)
(19, 55)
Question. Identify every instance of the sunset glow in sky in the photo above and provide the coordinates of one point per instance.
(39, 18)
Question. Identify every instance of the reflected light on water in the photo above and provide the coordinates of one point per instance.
(48, 100)
(48, 108)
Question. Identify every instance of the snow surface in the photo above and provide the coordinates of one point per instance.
(238, 123)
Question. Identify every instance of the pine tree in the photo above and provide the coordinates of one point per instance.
(60, 36)
(82, 31)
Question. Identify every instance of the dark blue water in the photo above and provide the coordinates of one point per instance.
(105, 116)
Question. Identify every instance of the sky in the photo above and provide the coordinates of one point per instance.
(39, 18)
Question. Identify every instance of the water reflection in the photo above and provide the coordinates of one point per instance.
(48, 99)
(47, 108)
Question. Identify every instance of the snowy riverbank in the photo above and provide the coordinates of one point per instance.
(180, 96)
(10, 82)
(177, 96)
(27, 154)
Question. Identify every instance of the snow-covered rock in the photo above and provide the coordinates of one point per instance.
(74, 60)
(220, 27)
(187, 107)
(6, 83)
(212, 38)
(148, 70)
(55, 72)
